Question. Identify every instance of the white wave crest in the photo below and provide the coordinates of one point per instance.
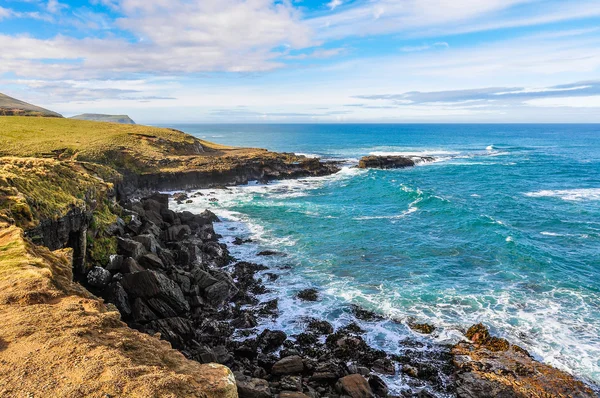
(568, 194)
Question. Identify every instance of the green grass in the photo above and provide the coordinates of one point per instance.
(125, 147)
(34, 189)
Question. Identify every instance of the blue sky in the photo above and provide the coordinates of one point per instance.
(306, 61)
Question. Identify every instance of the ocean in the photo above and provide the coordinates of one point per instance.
(503, 228)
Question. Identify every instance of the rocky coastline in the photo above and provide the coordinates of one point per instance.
(172, 278)
(90, 212)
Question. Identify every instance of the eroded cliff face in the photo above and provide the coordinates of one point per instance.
(262, 166)
(57, 340)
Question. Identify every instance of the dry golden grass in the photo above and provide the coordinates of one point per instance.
(57, 340)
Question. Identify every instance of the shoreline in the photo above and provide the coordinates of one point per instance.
(225, 313)
(437, 347)
(170, 276)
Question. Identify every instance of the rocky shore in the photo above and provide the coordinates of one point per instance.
(172, 278)
(84, 206)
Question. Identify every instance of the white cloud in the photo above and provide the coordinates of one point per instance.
(173, 37)
(333, 4)
(426, 18)
(54, 6)
(5, 13)
(566, 102)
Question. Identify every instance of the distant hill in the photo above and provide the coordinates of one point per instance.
(97, 117)
(13, 107)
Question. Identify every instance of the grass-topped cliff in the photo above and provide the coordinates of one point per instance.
(13, 107)
(133, 148)
(97, 117)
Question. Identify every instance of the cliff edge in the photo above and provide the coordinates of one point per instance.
(58, 340)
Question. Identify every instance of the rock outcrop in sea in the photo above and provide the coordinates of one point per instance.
(392, 162)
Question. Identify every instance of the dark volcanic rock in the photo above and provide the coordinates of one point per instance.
(391, 162)
(270, 340)
(150, 261)
(130, 248)
(270, 253)
(98, 277)
(149, 284)
(308, 295)
(288, 366)
(320, 327)
(118, 296)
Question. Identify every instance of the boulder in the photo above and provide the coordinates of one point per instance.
(155, 218)
(492, 367)
(320, 327)
(160, 308)
(291, 383)
(130, 248)
(208, 216)
(98, 277)
(114, 263)
(176, 232)
(270, 340)
(378, 386)
(270, 253)
(118, 296)
(218, 293)
(175, 330)
(391, 162)
(203, 279)
(253, 388)
(288, 366)
(150, 204)
(354, 386)
(134, 226)
(141, 312)
(149, 241)
(150, 284)
(129, 265)
(308, 294)
(151, 261)
(161, 198)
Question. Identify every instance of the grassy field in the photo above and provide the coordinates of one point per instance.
(131, 147)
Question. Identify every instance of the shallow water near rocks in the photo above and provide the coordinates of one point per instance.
(503, 228)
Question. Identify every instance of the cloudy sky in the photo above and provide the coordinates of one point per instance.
(306, 60)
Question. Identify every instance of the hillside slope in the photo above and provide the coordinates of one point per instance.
(97, 117)
(13, 107)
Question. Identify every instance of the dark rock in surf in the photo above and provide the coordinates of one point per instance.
(308, 294)
(391, 162)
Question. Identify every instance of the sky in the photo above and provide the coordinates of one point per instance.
(306, 61)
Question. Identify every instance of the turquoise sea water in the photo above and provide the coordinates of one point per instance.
(504, 229)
